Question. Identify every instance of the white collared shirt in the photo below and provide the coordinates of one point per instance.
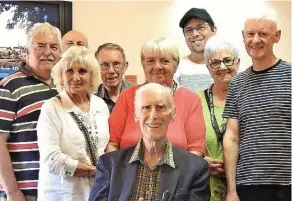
(62, 145)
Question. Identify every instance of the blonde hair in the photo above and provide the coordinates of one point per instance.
(163, 45)
(46, 28)
(81, 56)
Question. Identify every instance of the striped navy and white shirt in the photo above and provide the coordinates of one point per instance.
(261, 102)
(21, 97)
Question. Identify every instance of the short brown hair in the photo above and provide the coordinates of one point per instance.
(110, 46)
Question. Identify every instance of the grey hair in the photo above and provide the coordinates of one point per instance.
(163, 45)
(110, 46)
(81, 56)
(157, 89)
(215, 44)
(263, 13)
(46, 28)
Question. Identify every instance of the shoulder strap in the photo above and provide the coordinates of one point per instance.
(59, 97)
(207, 98)
(85, 133)
(86, 136)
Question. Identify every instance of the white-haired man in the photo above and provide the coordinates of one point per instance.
(257, 142)
(153, 169)
(21, 97)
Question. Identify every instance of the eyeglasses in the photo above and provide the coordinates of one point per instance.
(117, 66)
(199, 28)
(215, 63)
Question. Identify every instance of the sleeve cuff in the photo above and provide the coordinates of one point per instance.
(70, 167)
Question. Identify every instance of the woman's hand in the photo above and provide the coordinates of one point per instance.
(111, 146)
(84, 170)
(92, 171)
(216, 166)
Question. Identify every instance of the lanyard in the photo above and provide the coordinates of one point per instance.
(209, 99)
(173, 88)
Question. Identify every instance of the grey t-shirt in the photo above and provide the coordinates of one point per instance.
(195, 77)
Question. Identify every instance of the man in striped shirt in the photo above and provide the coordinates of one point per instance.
(257, 142)
(21, 97)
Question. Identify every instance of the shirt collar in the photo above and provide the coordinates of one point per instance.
(69, 105)
(102, 92)
(25, 70)
(167, 158)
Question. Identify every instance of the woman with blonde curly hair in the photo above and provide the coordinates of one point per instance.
(72, 129)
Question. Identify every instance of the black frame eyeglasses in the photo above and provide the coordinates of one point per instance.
(216, 63)
(199, 28)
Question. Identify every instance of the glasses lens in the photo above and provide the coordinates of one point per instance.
(228, 61)
(188, 31)
(215, 63)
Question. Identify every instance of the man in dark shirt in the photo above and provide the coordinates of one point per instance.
(113, 64)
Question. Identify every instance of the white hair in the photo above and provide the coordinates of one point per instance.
(264, 13)
(81, 56)
(215, 44)
(46, 28)
(156, 89)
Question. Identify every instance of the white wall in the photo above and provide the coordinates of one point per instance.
(131, 23)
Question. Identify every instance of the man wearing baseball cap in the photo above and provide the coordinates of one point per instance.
(198, 26)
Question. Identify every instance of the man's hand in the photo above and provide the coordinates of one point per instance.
(216, 166)
(232, 196)
(16, 196)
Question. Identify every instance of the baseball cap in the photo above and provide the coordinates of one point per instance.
(199, 13)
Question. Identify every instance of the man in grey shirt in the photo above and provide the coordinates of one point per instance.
(198, 27)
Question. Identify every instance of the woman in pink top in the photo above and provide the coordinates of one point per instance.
(160, 59)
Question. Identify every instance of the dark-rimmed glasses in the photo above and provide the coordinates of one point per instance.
(216, 63)
(199, 28)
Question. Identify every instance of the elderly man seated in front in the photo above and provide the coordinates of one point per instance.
(153, 169)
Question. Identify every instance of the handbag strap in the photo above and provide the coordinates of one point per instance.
(85, 132)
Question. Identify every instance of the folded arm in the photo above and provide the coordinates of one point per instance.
(58, 163)
(195, 129)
